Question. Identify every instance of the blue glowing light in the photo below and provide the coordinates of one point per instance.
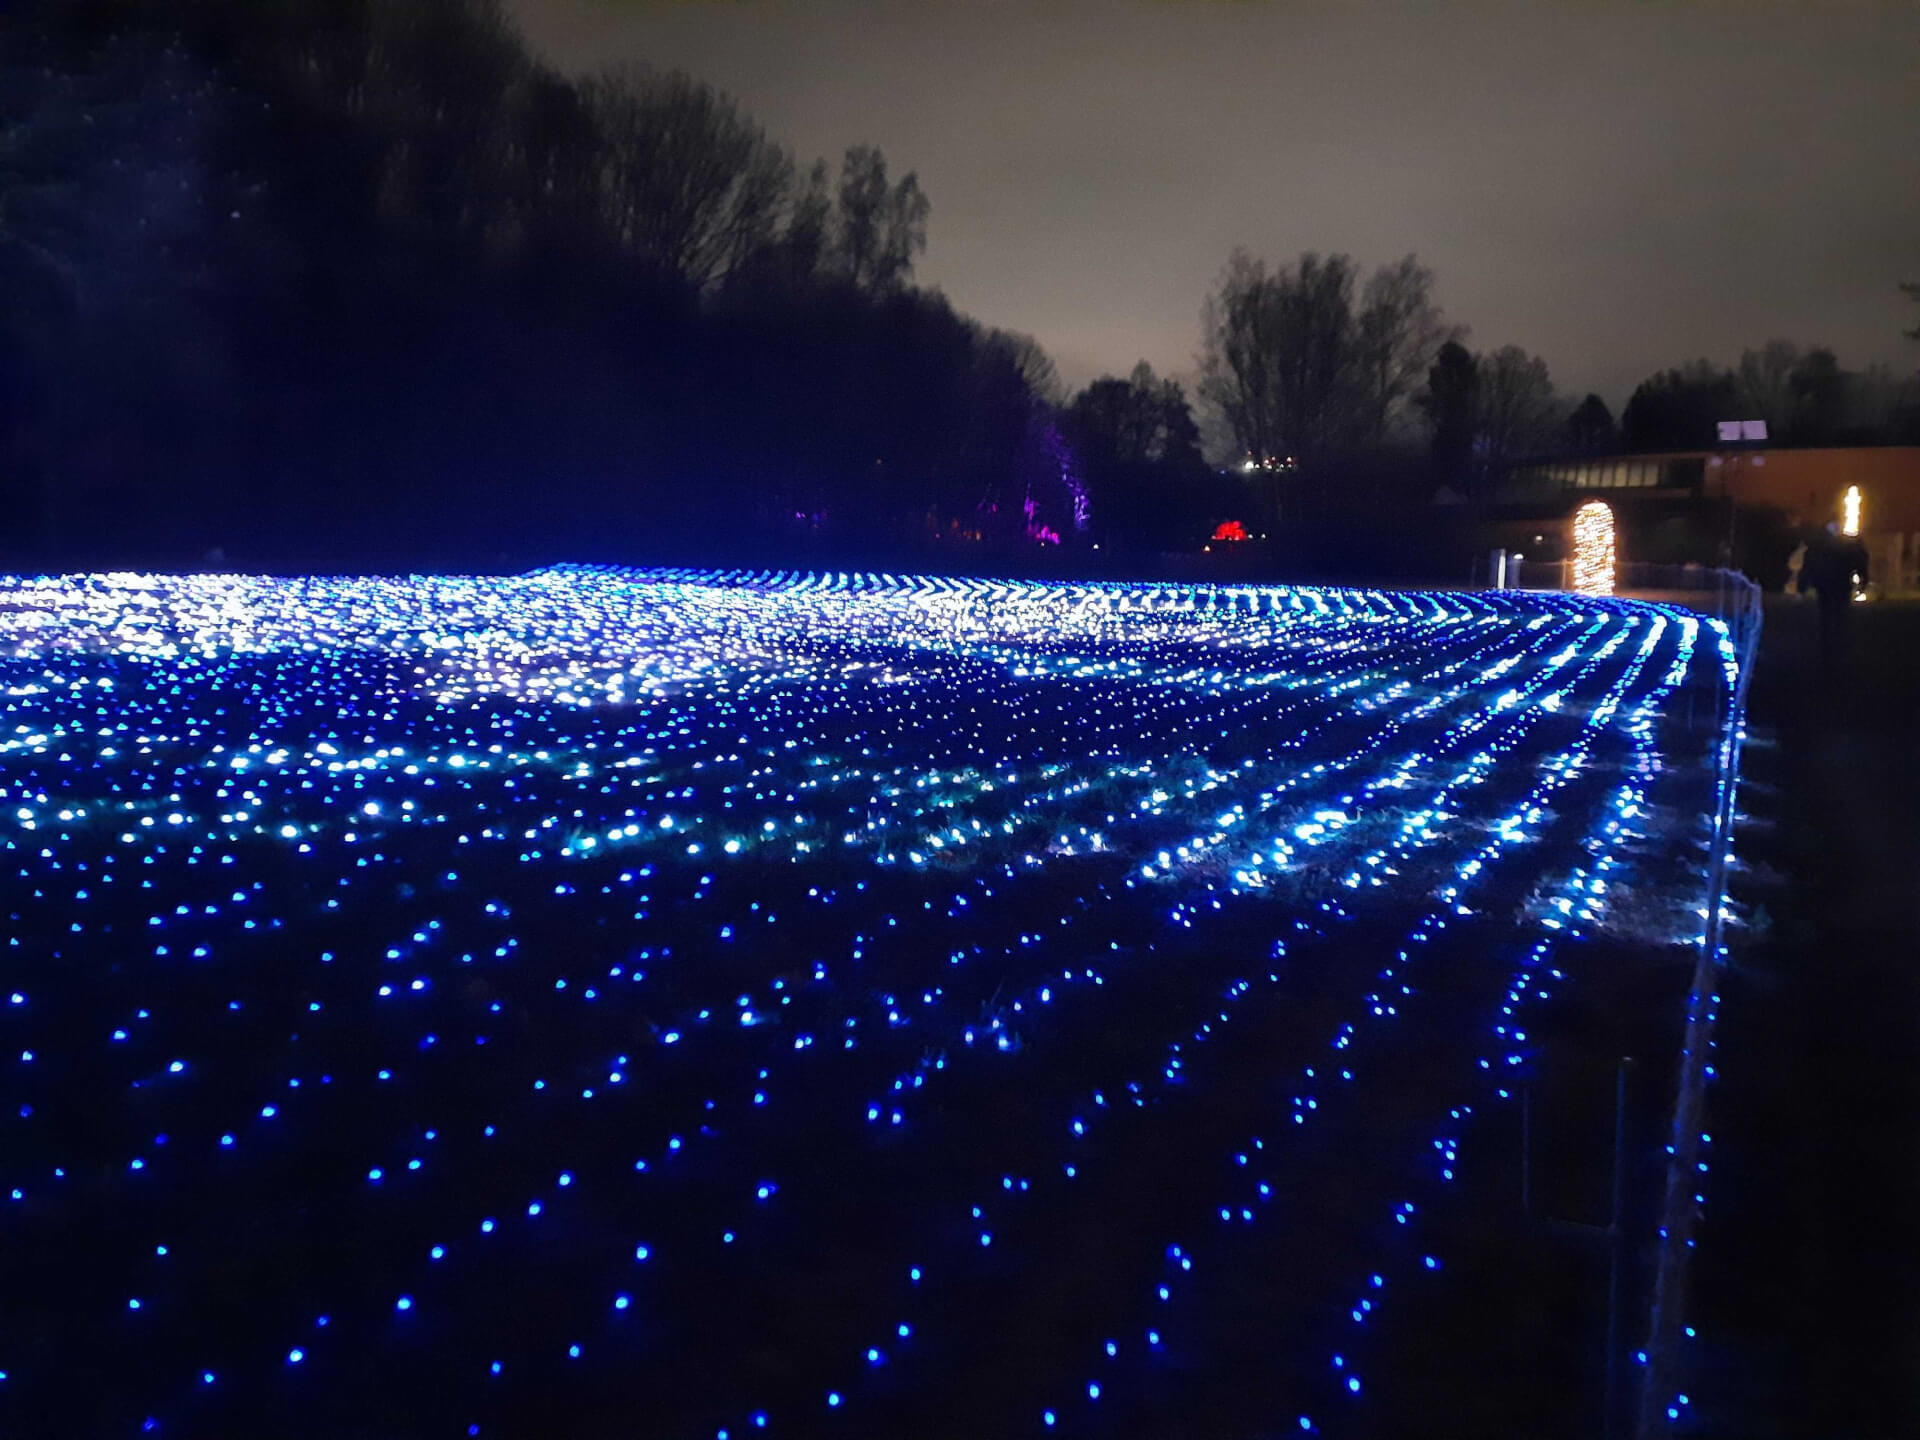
(866, 856)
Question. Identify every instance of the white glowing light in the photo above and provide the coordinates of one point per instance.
(1850, 511)
(1593, 548)
(686, 839)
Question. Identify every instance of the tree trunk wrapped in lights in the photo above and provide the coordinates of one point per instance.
(1593, 548)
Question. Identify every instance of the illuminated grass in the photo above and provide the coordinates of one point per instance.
(527, 1002)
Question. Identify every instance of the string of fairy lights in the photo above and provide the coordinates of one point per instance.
(1593, 548)
(768, 1002)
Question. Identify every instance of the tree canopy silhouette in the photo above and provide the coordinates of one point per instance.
(1451, 403)
(1139, 453)
(1299, 371)
(356, 280)
(1590, 430)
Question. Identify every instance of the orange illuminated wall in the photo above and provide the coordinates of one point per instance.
(1807, 484)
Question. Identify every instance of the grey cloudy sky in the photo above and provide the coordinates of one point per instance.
(1616, 186)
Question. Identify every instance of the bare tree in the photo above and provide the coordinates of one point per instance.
(1280, 355)
(1400, 331)
(689, 185)
(1877, 399)
(1518, 409)
(1127, 422)
(1765, 379)
(809, 222)
(1451, 403)
(1032, 363)
(1589, 428)
(882, 226)
(1139, 451)
(1297, 370)
(1239, 334)
(1676, 409)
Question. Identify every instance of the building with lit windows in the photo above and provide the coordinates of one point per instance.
(1740, 500)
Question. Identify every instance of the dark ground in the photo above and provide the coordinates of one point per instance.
(1807, 1293)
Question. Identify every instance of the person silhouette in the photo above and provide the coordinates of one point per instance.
(1835, 564)
(1796, 562)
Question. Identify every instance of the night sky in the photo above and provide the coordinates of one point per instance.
(1617, 187)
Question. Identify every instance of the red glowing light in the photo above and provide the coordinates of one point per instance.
(1231, 530)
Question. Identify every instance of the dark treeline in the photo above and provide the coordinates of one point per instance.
(1314, 373)
(358, 281)
(361, 283)
(1802, 392)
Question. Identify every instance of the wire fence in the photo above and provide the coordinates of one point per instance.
(1732, 603)
(1736, 604)
(1722, 595)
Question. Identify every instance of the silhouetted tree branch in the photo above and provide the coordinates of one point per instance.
(687, 184)
(1517, 408)
(1298, 371)
(881, 227)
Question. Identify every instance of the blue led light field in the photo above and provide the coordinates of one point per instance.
(692, 1004)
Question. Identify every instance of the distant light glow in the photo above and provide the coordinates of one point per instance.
(634, 885)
